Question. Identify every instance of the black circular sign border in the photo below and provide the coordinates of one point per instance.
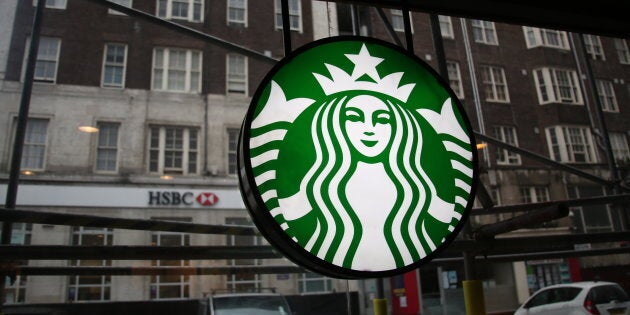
(268, 226)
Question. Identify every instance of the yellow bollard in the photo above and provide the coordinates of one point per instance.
(473, 297)
(380, 306)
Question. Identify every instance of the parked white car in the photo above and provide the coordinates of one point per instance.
(245, 304)
(581, 298)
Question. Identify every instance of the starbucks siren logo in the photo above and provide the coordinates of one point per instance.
(356, 160)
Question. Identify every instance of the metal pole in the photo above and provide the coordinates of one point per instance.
(438, 44)
(388, 26)
(20, 132)
(408, 33)
(286, 27)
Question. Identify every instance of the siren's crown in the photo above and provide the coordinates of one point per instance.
(364, 64)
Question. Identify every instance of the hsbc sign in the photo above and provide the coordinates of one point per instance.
(176, 198)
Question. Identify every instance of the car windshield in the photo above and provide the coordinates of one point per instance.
(246, 305)
(608, 293)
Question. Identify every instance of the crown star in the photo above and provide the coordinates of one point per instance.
(364, 63)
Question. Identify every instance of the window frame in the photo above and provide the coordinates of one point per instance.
(45, 80)
(292, 13)
(232, 154)
(495, 84)
(305, 278)
(236, 22)
(184, 282)
(74, 282)
(397, 13)
(98, 147)
(501, 133)
(548, 89)
(534, 194)
(563, 150)
(168, 10)
(448, 21)
(165, 68)
(106, 64)
(245, 74)
(541, 38)
(127, 3)
(459, 91)
(606, 95)
(623, 53)
(619, 146)
(593, 47)
(49, 6)
(231, 240)
(162, 169)
(484, 26)
(44, 156)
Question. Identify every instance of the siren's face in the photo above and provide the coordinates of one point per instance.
(368, 123)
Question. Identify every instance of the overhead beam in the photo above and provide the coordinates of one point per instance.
(227, 270)
(54, 218)
(606, 17)
(600, 200)
(496, 246)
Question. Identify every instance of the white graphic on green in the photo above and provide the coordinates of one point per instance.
(347, 169)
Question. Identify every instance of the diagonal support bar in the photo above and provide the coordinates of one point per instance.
(27, 216)
(545, 160)
(141, 15)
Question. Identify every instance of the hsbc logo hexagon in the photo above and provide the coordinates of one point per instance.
(207, 199)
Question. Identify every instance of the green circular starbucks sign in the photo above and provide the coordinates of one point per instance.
(356, 159)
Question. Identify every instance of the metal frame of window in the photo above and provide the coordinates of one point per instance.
(494, 78)
(606, 94)
(593, 46)
(236, 78)
(482, 30)
(47, 252)
(75, 284)
(542, 37)
(164, 68)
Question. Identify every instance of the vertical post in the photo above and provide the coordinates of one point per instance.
(407, 23)
(438, 44)
(20, 131)
(286, 26)
(354, 15)
(612, 165)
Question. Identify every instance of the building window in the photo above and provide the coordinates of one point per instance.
(619, 145)
(594, 47)
(90, 288)
(53, 4)
(455, 78)
(34, 152)
(572, 144)
(126, 3)
(107, 147)
(242, 282)
(177, 70)
(534, 194)
(446, 27)
(590, 218)
(295, 15)
(237, 12)
(231, 150)
(170, 287)
(114, 63)
(314, 283)
(495, 85)
(190, 10)
(557, 86)
(606, 94)
(174, 150)
(507, 135)
(622, 51)
(398, 23)
(484, 32)
(541, 37)
(236, 74)
(47, 59)
(16, 293)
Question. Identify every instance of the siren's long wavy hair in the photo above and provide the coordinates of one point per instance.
(334, 165)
